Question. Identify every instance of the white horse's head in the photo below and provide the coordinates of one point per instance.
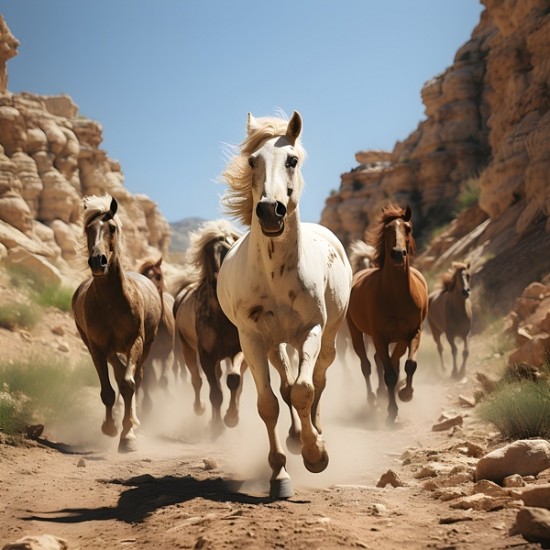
(265, 179)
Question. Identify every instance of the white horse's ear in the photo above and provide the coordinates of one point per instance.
(408, 214)
(294, 128)
(251, 124)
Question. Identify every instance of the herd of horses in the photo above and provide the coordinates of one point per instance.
(280, 295)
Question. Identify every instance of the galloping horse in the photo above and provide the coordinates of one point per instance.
(284, 282)
(389, 303)
(450, 312)
(204, 330)
(117, 314)
(162, 350)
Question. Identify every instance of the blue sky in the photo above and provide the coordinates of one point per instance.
(171, 81)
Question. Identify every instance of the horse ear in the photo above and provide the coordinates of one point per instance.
(294, 128)
(159, 262)
(408, 214)
(251, 123)
(113, 207)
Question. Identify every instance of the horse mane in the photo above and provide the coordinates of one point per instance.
(448, 279)
(237, 200)
(208, 231)
(376, 235)
(148, 264)
(94, 206)
(360, 255)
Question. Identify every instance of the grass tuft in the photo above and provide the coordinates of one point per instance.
(19, 315)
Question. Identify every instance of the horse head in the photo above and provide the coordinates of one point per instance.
(152, 270)
(276, 177)
(462, 278)
(102, 234)
(398, 238)
(214, 253)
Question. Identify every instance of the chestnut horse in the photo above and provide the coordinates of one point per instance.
(206, 334)
(162, 351)
(117, 313)
(283, 283)
(450, 313)
(389, 303)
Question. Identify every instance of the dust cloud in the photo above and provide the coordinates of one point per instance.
(359, 444)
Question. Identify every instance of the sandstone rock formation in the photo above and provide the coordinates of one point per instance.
(50, 157)
(487, 132)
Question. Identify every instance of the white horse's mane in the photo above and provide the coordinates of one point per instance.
(237, 199)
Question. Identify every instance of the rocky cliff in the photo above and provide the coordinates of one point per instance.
(50, 157)
(487, 133)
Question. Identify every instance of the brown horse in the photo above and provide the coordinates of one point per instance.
(450, 313)
(205, 331)
(162, 351)
(389, 303)
(117, 314)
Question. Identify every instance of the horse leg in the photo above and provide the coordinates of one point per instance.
(124, 375)
(359, 346)
(149, 381)
(437, 337)
(382, 390)
(268, 409)
(107, 393)
(279, 359)
(212, 371)
(192, 363)
(236, 367)
(302, 396)
(406, 393)
(454, 351)
(465, 354)
(390, 377)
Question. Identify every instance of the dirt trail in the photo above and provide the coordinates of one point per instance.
(183, 490)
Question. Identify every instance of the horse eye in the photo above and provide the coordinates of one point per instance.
(291, 161)
(252, 162)
(112, 228)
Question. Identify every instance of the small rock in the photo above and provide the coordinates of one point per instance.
(533, 524)
(34, 431)
(62, 346)
(210, 464)
(490, 488)
(479, 501)
(390, 478)
(379, 510)
(447, 424)
(466, 401)
(58, 330)
(515, 480)
(42, 542)
(536, 497)
(425, 472)
(81, 463)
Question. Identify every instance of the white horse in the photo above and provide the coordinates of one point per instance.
(283, 282)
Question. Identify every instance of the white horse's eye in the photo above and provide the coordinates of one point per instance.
(252, 162)
(112, 228)
(291, 161)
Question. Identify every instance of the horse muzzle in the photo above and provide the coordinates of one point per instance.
(398, 256)
(98, 264)
(466, 292)
(271, 215)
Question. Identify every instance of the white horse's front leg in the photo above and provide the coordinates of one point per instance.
(314, 455)
(268, 408)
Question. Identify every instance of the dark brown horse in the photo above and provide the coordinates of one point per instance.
(450, 313)
(117, 314)
(206, 334)
(162, 351)
(389, 303)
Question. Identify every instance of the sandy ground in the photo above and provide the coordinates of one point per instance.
(182, 489)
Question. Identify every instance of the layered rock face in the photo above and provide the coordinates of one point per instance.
(49, 159)
(487, 125)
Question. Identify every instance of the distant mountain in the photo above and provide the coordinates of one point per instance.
(180, 234)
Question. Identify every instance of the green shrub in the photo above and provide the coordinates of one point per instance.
(519, 409)
(41, 390)
(468, 195)
(19, 315)
(55, 296)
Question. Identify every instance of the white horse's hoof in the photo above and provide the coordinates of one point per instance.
(127, 446)
(281, 488)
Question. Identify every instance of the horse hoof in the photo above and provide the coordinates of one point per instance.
(231, 420)
(319, 465)
(233, 381)
(371, 400)
(199, 409)
(293, 444)
(127, 446)
(406, 394)
(109, 429)
(280, 488)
